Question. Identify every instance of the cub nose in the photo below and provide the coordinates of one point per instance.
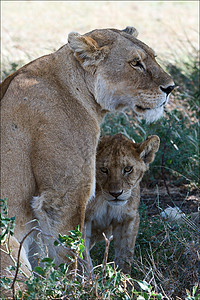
(168, 89)
(116, 194)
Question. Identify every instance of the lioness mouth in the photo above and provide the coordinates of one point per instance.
(140, 108)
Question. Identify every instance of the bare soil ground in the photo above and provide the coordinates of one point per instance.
(185, 197)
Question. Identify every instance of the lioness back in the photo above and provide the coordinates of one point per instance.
(120, 166)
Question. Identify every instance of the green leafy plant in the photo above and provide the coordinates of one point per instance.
(6, 224)
(7, 228)
(73, 240)
(195, 293)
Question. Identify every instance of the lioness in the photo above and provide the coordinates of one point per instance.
(120, 166)
(51, 110)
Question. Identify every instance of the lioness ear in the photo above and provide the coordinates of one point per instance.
(131, 30)
(86, 49)
(148, 148)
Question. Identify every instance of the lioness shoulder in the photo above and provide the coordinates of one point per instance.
(120, 166)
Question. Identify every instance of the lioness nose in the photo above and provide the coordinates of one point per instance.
(168, 89)
(116, 194)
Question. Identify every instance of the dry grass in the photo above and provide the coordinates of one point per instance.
(34, 28)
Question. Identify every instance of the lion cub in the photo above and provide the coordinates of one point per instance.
(120, 166)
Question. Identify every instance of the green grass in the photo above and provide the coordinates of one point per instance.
(166, 264)
(166, 255)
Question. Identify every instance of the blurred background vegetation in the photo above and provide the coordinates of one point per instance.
(34, 28)
(166, 256)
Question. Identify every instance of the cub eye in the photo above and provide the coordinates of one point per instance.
(128, 169)
(137, 64)
(104, 170)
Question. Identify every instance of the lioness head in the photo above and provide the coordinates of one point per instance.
(125, 69)
(121, 164)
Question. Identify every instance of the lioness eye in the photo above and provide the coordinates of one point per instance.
(136, 63)
(128, 169)
(104, 170)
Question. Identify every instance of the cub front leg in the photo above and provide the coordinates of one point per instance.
(87, 233)
(125, 234)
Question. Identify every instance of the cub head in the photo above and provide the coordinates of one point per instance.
(125, 71)
(120, 165)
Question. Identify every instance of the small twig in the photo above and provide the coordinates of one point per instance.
(4, 251)
(9, 249)
(88, 265)
(107, 244)
(9, 252)
(96, 288)
(18, 261)
(163, 163)
(76, 266)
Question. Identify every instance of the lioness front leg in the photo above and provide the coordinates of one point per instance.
(125, 234)
(65, 176)
(52, 212)
(47, 209)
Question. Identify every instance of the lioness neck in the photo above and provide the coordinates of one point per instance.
(77, 81)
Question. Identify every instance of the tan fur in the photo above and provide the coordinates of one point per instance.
(118, 215)
(51, 110)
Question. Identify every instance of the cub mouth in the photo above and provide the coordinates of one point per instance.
(117, 202)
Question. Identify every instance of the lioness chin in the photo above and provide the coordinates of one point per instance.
(120, 166)
(51, 110)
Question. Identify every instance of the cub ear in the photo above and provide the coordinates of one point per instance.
(131, 30)
(148, 148)
(86, 49)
